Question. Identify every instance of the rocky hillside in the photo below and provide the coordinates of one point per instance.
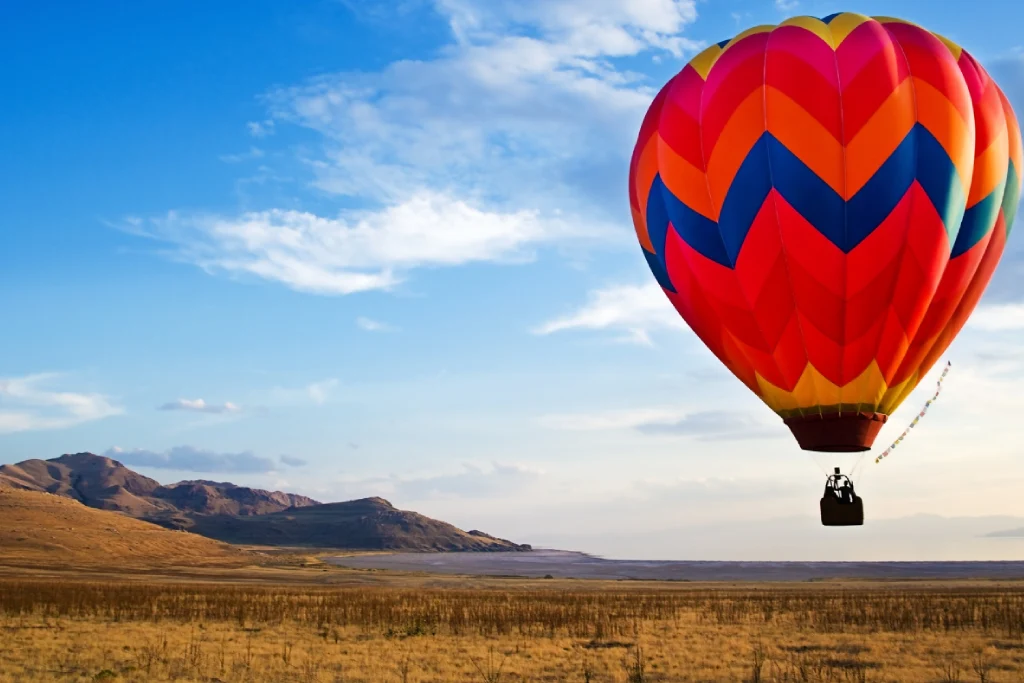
(365, 524)
(105, 483)
(238, 514)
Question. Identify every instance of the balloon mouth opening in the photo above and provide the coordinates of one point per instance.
(836, 433)
(840, 448)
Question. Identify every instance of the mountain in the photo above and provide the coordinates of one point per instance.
(366, 524)
(90, 479)
(1007, 533)
(40, 529)
(238, 514)
(224, 498)
(105, 483)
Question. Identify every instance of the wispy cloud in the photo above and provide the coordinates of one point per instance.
(716, 425)
(741, 18)
(192, 459)
(370, 325)
(786, 5)
(515, 138)
(292, 461)
(26, 404)
(1006, 317)
(253, 153)
(704, 425)
(198, 405)
(526, 105)
(357, 250)
(611, 419)
(317, 393)
(472, 482)
(635, 309)
(260, 129)
(713, 490)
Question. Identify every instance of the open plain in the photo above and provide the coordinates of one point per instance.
(307, 621)
(92, 595)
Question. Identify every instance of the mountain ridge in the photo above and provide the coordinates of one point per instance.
(105, 483)
(238, 514)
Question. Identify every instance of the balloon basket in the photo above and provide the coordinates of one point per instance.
(836, 513)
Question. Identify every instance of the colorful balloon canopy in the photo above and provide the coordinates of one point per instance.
(824, 202)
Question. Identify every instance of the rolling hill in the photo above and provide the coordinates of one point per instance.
(238, 514)
(41, 529)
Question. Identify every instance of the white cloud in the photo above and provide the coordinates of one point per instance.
(515, 136)
(786, 5)
(26, 405)
(585, 27)
(260, 129)
(192, 459)
(370, 325)
(704, 425)
(315, 392)
(358, 250)
(525, 108)
(36, 408)
(636, 309)
(292, 461)
(319, 392)
(200, 406)
(741, 18)
(253, 153)
(472, 482)
(611, 419)
(998, 317)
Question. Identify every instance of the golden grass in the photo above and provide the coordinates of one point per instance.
(92, 595)
(73, 630)
(40, 529)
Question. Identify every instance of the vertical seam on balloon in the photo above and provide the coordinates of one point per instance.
(750, 305)
(910, 226)
(782, 242)
(718, 212)
(910, 385)
(956, 310)
(846, 290)
(846, 220)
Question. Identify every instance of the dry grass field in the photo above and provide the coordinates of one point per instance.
(506, 630)
(91, 595)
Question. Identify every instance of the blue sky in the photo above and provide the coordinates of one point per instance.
(353, 248)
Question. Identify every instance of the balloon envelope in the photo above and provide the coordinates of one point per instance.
(824, 202)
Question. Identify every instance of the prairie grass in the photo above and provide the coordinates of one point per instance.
(70, 630)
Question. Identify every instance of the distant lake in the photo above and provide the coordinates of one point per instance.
(565, 564)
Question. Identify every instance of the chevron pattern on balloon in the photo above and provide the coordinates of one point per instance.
(824, 202)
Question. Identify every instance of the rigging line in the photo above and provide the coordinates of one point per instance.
(858, 463)
(817, 462)
(917, 418)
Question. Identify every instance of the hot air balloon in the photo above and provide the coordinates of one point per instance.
(824, 202)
